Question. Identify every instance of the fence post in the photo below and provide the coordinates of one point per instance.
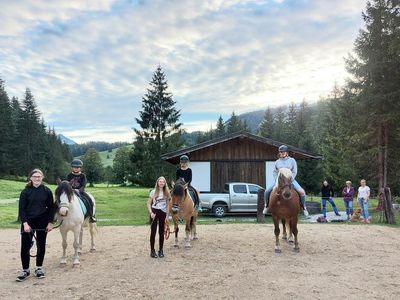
(389, 207)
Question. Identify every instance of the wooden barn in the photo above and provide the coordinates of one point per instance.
(240, 157)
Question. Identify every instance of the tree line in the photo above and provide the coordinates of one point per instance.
(26, 142)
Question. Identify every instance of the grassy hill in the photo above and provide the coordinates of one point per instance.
(108, 156)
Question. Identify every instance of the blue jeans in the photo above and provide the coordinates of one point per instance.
(295, 185)
(330, 200)
(349, 207)
(364, 207)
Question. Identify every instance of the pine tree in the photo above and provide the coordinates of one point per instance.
(266, 127)
(234, 124)
(159, 131)
(376, 77)
(220, 130)
(6, 131)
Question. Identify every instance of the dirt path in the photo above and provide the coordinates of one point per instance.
(234, 261)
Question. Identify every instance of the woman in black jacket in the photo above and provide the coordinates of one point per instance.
(36, 212)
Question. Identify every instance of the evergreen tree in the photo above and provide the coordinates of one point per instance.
(266, 127)
(234, 124)
(92, 166)
(159, 131)
(220, 130)
(375, 85)
(6, 131)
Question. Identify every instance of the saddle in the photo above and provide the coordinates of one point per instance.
(195, 197)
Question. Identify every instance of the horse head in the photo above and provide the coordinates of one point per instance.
(179, 192)
(285, 183)
(64, 194)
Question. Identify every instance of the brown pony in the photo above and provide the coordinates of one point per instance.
(181, 207)
(284, 205)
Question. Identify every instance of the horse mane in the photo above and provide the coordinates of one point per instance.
(286, 172)
(64, 187)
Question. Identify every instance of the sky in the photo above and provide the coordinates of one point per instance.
(89, 63)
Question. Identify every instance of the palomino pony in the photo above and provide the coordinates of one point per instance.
(181, 207)
(70, 213)
(284, 205)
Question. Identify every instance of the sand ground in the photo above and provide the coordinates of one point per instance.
(229, 261)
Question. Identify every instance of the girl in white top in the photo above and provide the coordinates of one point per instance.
(363, 197)
(157, 207)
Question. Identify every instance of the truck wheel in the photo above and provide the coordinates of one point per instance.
(219, 210)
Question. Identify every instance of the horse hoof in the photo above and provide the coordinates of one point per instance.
(176, 246)
(187, 246)
(290, 241)
(284, 238)
(92, 250)
(297, 250)
(63, 263)
(278, 251)
(195, 238)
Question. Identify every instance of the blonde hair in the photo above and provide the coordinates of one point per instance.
(166, 191)
(29, 184)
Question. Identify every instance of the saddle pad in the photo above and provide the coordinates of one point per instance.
(83, 206)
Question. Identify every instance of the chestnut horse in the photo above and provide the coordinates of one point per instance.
(284, 205)
(181, 207)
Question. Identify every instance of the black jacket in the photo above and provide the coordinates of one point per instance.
(36, 203)
(326, 191)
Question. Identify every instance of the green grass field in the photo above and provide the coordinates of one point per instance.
(107, 157)
(117, 205)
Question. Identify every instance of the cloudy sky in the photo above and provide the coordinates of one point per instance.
(88, 63)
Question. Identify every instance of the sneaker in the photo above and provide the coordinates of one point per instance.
(39, 273)
(305, 212)
(23, 275)
(338, 214)
(92, 219)
(153, 254)
(160, 254)
(265, 211)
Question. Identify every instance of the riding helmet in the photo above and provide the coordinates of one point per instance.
(283, 148)
(76, 163)
(184, 158)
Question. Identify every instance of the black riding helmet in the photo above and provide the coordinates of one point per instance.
(184, 158)
(77, 163)
(283, 148)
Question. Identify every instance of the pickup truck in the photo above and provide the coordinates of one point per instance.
(237, 197)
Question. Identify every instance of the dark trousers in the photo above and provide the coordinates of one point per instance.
(39, 226)
(160, 219)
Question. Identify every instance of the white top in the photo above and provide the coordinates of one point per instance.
(363, 192)
(160, 202)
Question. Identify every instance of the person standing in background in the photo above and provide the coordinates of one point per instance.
(363, 198)
(348, 195)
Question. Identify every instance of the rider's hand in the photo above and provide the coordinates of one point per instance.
(152, 215)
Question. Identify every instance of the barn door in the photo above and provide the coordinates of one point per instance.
(236, 171)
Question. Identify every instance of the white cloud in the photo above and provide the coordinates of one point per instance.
(89, 63)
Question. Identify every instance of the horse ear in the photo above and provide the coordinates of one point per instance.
(58, 181)
(172, 183)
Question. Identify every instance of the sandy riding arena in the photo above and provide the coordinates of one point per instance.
(229, 261)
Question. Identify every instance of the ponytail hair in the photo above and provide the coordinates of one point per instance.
(29, 184)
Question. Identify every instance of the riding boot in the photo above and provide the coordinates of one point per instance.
(92, 218)
(303, 205)
(266, 198)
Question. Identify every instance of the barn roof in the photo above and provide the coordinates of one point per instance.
(173, 157)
